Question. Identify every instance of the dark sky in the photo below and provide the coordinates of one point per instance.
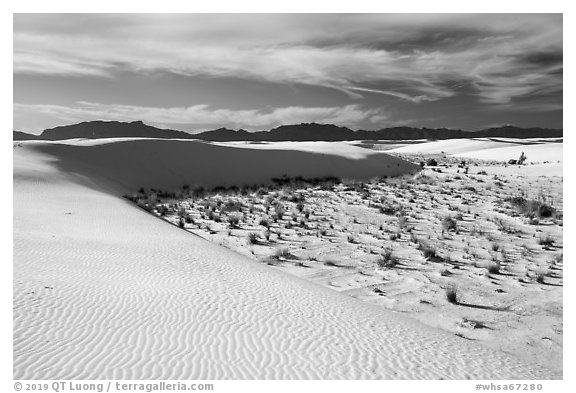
(257, 71)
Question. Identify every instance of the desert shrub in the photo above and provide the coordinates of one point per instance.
(234, 221)
(264, 222)
(279, 211)
(506, 227)
(452, 294)
(351, 239)
(232, 206)
(300, 207)
(387, 260)
(390, 210)
(189, 219)
(428, 250)
(395, 236)
(546, 241)
(540, 276)
(162, 210)
(181, 223)
(431, 162)
(532, 208)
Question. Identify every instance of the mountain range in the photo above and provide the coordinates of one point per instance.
(297, 132)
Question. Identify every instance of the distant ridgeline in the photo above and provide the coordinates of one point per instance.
(299, 132)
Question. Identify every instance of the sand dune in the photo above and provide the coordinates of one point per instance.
(498, 149)
(104, 290)
(169, 164)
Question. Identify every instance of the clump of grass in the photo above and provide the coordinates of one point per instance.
(558, 259)
(388, 260)
(532, 208)
(252, 238)
(540, 276)
(428, 250)
(279, 211)
(282, 253)
(264, 222)
(449, 224)
(395, 236)
(402, 221)
(493, 267)
(452, 294)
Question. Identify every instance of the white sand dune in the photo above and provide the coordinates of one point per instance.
(498, 149)
(104, 290)
(169, 164)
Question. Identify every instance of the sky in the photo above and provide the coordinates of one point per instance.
(197, 72)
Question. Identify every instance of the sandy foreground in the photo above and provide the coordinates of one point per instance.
(103, 289)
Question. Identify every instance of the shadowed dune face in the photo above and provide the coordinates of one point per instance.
(169, 164)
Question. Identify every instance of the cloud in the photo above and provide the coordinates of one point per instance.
(349, 115)
(412, 57)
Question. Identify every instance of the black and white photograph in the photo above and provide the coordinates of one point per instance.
(287, 196)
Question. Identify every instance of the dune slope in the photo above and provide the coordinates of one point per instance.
(498, 149)
(104, 290)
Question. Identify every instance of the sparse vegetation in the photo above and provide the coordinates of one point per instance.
(384, 232)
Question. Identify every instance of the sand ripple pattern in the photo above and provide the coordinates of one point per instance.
(105, 290)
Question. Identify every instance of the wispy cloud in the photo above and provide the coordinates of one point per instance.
(350, 115)
(414, 58)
